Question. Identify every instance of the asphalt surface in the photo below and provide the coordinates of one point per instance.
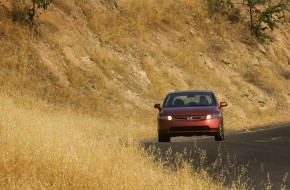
(262, 155)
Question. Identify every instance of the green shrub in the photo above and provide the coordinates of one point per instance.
(266, 16)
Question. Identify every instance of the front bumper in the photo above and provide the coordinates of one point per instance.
(174, 128)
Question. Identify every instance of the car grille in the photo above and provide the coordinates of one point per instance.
(190, 128)
(190, 118)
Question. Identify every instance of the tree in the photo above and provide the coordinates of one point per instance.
(264, 14)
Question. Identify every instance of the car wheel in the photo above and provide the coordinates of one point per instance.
(218, 138)
(221, 135)
(163, 138)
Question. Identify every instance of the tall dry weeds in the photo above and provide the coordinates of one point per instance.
(67, 94)
(41, 148)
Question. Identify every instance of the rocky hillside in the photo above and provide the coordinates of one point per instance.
(118, 58)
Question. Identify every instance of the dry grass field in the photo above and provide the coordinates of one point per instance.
(77, 91)
(46, 149)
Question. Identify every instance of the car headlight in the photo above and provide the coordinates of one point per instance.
(165, 117)
(212, 116)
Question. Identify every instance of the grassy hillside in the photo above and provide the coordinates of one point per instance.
(83, 81)
(103, 57)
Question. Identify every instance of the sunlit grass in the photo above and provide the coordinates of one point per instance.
(76, 98)
(41, 148)
(45, 148)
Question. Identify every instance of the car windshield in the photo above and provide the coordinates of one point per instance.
(188, 99)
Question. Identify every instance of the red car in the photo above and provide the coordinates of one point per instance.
(190, 113)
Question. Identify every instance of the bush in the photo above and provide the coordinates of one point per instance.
(25, 12)
(219, 6)
(18, 12)
(286, 74)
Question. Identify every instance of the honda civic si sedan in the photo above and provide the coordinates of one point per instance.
(190, 113)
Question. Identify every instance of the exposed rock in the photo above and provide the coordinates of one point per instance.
(256, 99)
(246, 95)
(255, 62)
(226, 61)
(146, 54)
(192, 32)
(216, 47)
(206, 60)
(261, 103)
(140, 74)
(118, 48)
(86, 59)
(208, 21)
(287, 53)
(263, 50)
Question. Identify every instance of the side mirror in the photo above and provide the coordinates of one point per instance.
(223, 104)
(157, 106)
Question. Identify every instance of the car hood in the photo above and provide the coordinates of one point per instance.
(200, 110)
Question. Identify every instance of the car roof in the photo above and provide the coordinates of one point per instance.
(188, 91)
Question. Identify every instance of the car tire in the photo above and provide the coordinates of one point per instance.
(163, 138)
(218, 138)
(221, 135)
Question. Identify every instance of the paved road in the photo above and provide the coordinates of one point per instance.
(261, 151)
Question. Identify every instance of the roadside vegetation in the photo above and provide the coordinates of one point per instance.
(47, 149)
(42, 148)
(77, 91)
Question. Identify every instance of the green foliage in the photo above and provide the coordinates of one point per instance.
(42, 3)
(264, 14)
